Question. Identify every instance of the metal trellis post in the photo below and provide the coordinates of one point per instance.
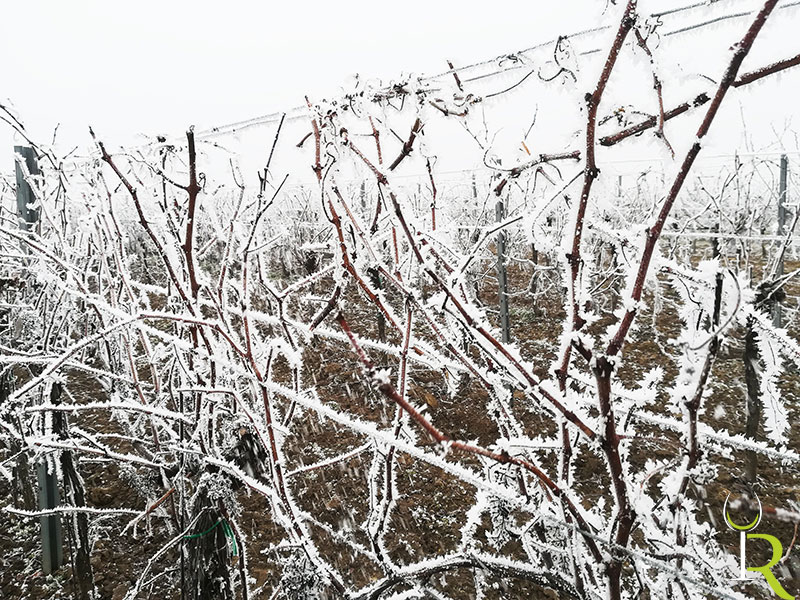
(28, 216)
(52, 536)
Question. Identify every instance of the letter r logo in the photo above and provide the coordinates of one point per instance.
(777, 552)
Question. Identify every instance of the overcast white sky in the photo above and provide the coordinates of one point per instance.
(151, 66)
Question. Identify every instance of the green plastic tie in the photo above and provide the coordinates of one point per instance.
(229, 533)
(225, 527)
(206, 532)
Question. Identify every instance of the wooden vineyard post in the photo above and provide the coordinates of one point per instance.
(777, 312)
(502, 279)
(78, 522)
(473, 236)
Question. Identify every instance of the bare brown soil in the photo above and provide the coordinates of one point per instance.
(430, 511)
